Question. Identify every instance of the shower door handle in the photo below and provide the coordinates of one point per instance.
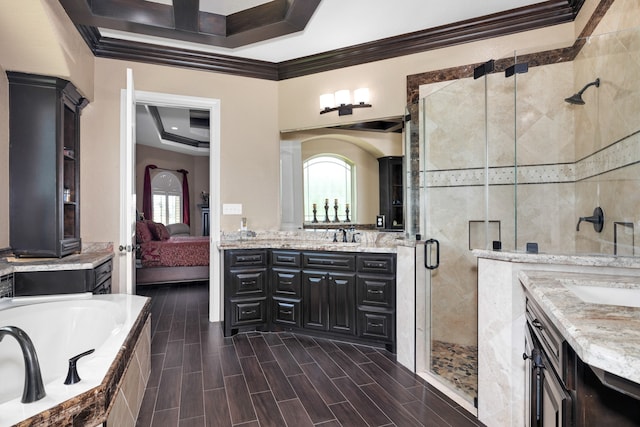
(427, 252)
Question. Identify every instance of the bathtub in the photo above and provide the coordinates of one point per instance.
(61, 327)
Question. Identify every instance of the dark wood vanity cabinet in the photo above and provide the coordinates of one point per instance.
(52, 282)
(245, 289)
(391, 191)
(563, 391)
(376, 291)
(332, 294)
(44, 170)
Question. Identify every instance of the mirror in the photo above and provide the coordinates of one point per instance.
(359, 143)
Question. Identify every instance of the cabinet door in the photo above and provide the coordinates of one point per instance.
(342, 302)
(315, 305)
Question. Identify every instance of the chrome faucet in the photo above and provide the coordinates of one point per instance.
(33, 386)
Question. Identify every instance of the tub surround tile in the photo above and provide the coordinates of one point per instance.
(604, 336)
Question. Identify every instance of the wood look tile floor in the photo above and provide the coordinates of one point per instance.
(201, 378)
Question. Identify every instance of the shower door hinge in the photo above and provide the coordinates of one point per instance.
(484, 69)
(521, 68)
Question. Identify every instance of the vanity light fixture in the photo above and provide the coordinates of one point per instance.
(341, 101)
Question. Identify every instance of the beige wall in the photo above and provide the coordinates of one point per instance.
(198, 177)
(299, 106)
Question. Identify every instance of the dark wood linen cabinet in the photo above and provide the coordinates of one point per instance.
(44, 168)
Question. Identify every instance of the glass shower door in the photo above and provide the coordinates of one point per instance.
(452, 161)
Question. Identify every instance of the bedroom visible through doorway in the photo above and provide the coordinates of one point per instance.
(158, 142)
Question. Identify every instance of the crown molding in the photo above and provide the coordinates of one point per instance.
(526, 18)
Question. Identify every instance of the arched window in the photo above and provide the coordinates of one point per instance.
(166, 189)
(329, 177)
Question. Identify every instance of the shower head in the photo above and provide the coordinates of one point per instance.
(576, 99)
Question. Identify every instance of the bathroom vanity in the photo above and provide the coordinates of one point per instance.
(342, 295)
(89, 271)
(588, 350)
(585, 336)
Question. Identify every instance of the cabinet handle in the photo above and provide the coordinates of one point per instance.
(375, 325)
(248, 282)
(372, 291)
(249, 312)
(537, 324)
(286, 312)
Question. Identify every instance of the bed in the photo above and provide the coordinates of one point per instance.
(169, 254)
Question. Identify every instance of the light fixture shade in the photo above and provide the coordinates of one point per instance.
(361, 96)
(343, 97)
(327, 101)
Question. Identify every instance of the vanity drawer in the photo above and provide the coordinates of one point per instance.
(286, 259)
(247, 282)
(377, 264)
(376, 291)
(246, 258)
(376, 325)
(286, 312)
(286, 282)
(103, 272)
(248, 312)
(328, 261)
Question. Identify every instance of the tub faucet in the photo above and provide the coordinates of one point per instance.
(33, 386)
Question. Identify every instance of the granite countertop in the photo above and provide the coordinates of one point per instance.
(373, 242)
(81, 261)
(309, 245)
(594, 260)
(602, 335)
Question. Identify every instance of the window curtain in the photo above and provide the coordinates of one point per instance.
(186, 214)
(147, 202)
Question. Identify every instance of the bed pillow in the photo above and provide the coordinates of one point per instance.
(159, 231)
(143, 234)
(179, 229)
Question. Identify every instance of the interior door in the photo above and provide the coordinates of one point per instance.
(127, 188)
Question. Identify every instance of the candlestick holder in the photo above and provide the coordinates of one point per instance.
(346, 211)
(315, 211)
(335, 208)
(326, 211)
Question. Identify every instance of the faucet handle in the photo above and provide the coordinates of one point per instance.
(72, 374)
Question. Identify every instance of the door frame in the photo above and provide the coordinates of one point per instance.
(213, 106)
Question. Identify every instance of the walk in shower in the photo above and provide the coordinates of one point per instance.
(500, 161)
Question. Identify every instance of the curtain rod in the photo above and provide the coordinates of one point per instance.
(167, 169)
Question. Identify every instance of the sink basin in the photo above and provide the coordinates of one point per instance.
(600, 294)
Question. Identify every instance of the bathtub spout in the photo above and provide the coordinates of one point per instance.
(33, 386)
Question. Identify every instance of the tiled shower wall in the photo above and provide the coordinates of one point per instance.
(570, 160)
(607, 132)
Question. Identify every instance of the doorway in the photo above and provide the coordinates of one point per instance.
(212, 106)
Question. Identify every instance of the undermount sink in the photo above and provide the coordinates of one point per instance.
(603, 294)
